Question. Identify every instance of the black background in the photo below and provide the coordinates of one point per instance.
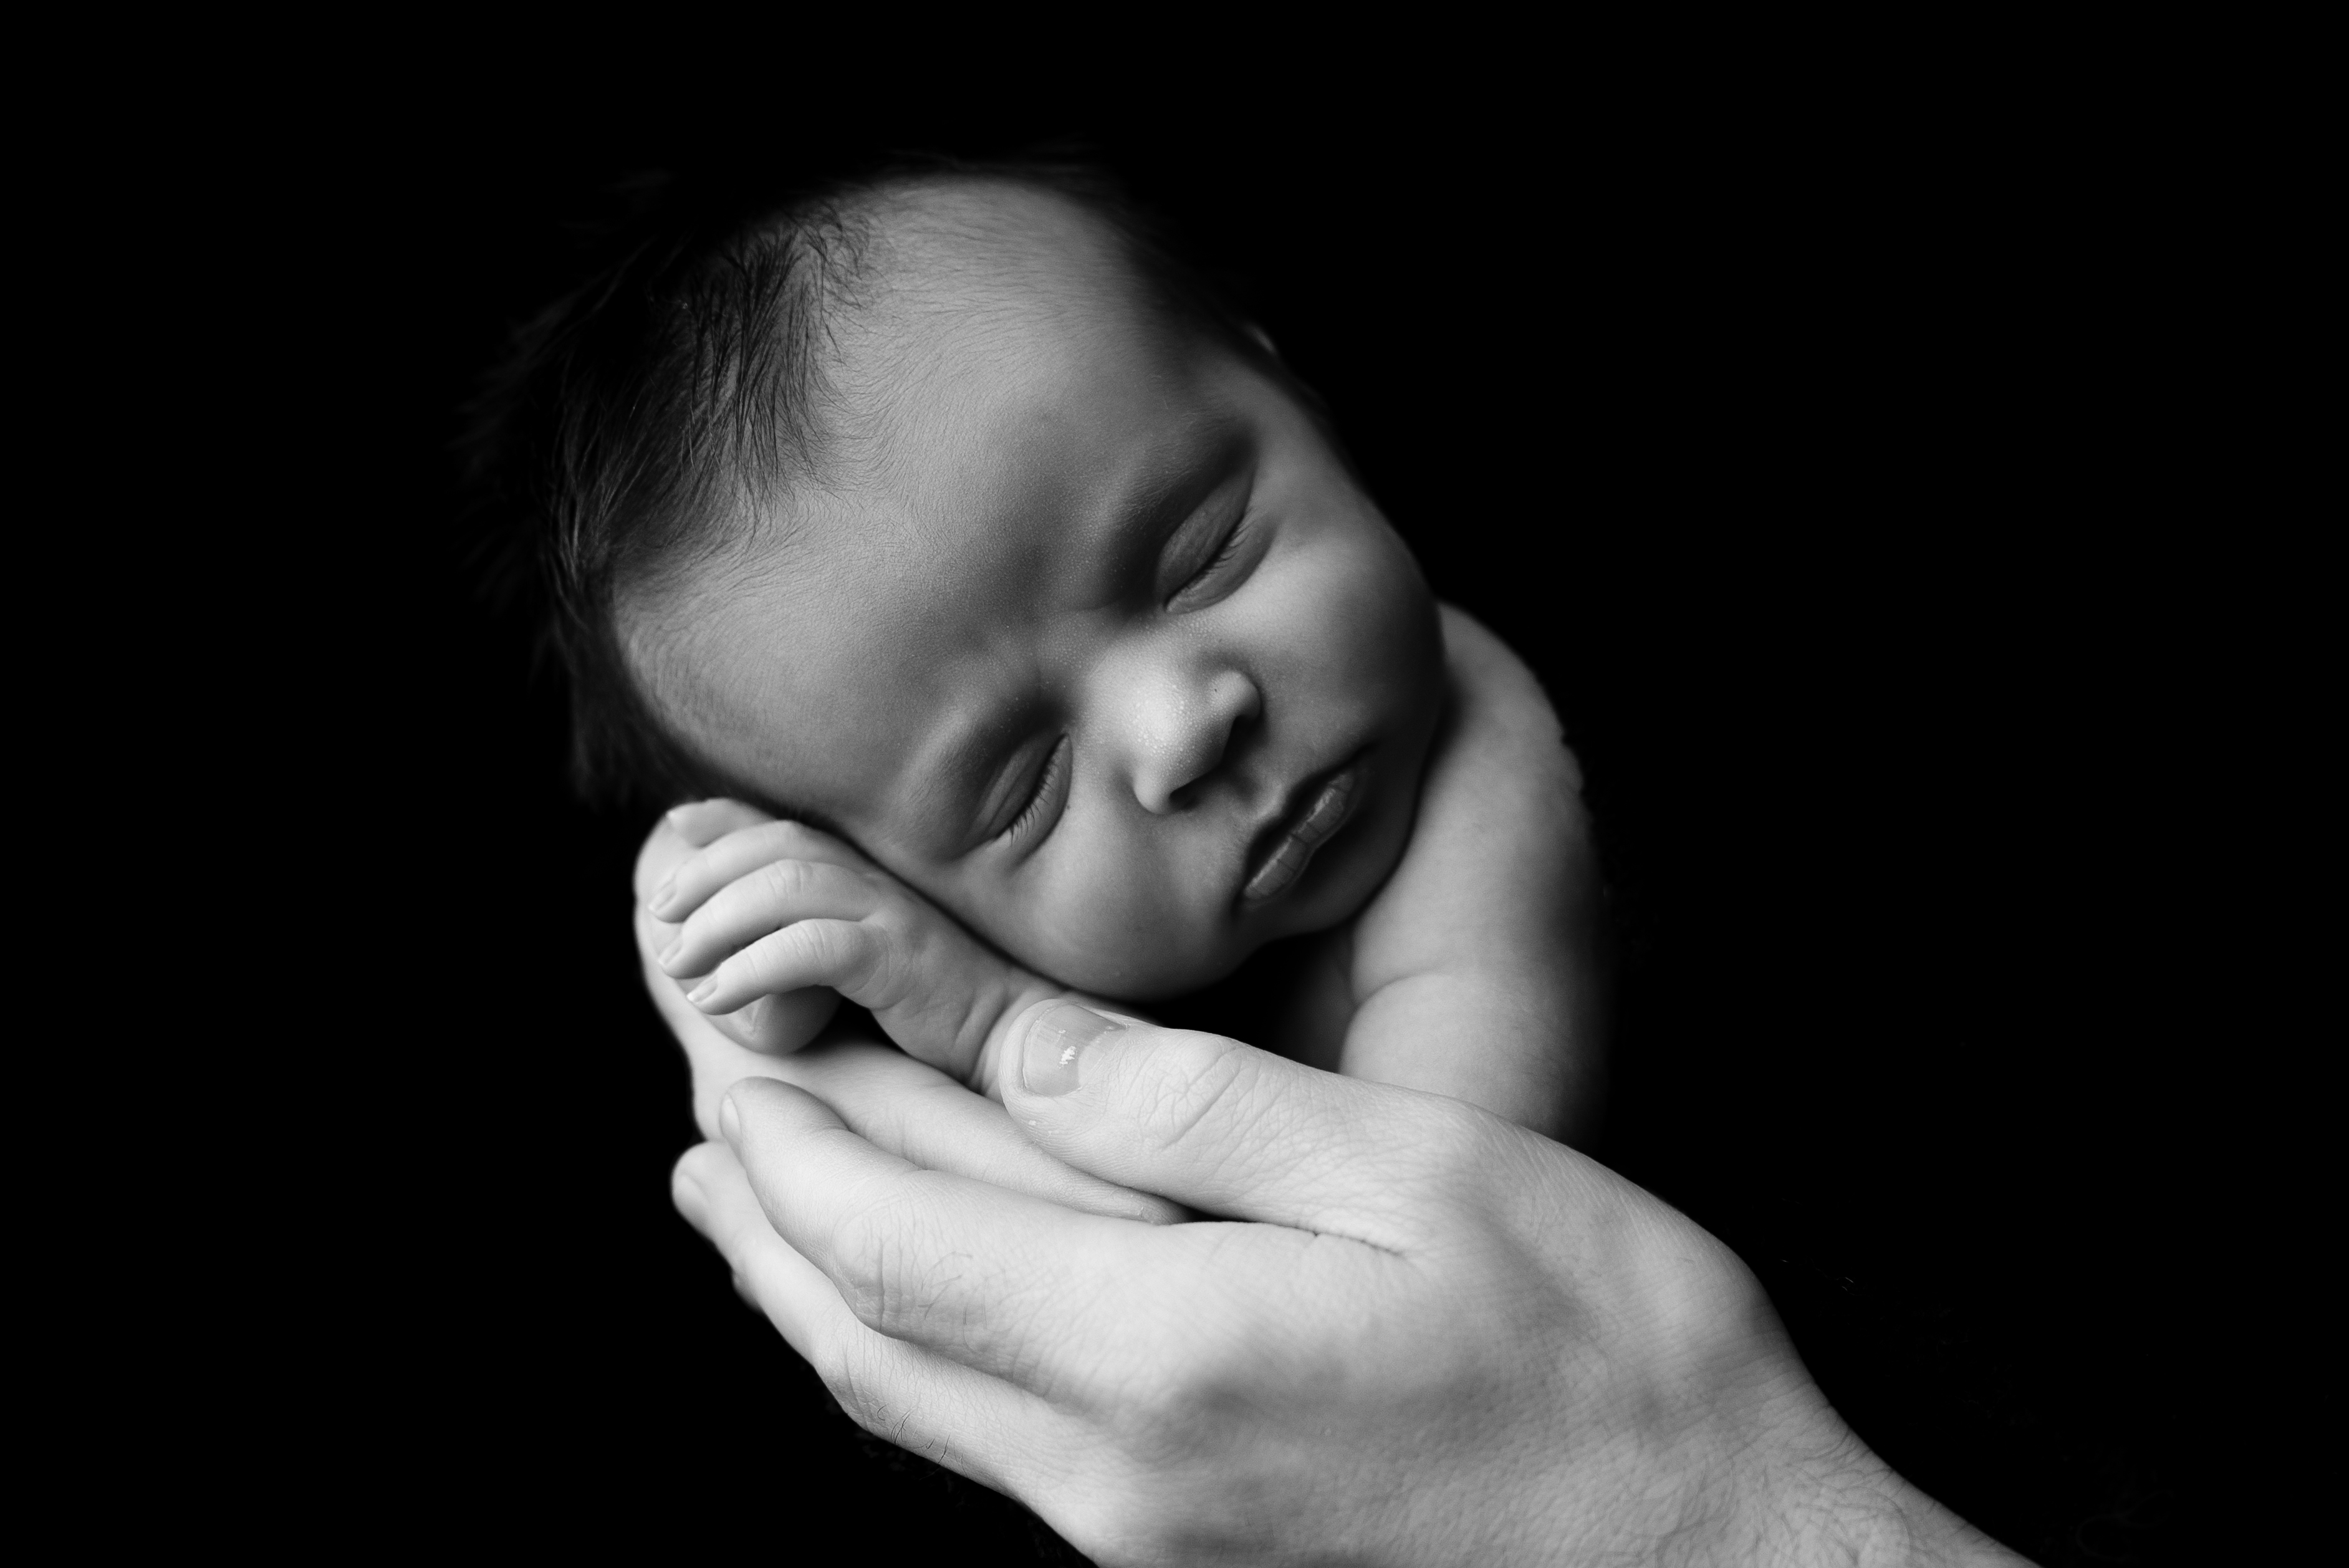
(1822, 464)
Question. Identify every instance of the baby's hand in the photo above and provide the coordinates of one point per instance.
(771, 911)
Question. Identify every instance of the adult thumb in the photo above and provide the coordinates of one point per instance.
(1229, 1129)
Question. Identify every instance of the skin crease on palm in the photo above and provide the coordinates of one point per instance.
(1074, 609)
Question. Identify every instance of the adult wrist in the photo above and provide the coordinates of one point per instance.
(1858, 1510)
(1787, 1483)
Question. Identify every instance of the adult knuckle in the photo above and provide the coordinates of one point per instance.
(1190, 1080)
(1191, 1406)
(859, 1377)
(1453, 1132)
(1443, 1159)
(863, 1258)
(1177, 1392)
(882, 1264)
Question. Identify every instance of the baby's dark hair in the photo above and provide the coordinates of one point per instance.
(683, 368)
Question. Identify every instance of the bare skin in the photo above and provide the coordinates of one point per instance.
(1413, 1332)
(1465, 975)
(1109, 674)
(1081, 622)
(1079, 647)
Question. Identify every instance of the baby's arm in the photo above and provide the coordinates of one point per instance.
(1473, 972)
(771, 922)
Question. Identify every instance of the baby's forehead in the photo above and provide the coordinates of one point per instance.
(1005, 396)
(978, 284)
(934, 252)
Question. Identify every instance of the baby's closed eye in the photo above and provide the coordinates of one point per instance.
(1045, 798)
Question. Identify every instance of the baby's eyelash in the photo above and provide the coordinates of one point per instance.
(1231, 547)
(1222, 557)
(1045, 782)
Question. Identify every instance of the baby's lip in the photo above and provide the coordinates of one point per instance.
(1317, 809)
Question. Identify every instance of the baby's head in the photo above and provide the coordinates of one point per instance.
(944, 512)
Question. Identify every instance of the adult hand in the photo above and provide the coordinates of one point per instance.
(1423, 1335)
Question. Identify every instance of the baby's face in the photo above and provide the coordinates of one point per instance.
(1087, 634)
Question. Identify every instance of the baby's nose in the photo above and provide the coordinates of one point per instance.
(1183, 733)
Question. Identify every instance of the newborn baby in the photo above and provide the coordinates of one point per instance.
(1041, 643)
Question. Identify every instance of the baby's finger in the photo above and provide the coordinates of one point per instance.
(665, 849)
(733, 856)
(766, 899)
(703, 822)
(779, 1025)
(681, 834)
(843, 954)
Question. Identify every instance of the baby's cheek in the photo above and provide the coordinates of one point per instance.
(1113, 921)
(1379, 610)
(1346, 618)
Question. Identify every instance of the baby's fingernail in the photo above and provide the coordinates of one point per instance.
(664, 893)
(702, 992)
(729, 1120)
(1047, 1062)
(669, 952)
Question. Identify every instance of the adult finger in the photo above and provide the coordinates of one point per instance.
(1232, 1130)
(968, 1270)
(709, 1190)
(919, 1400)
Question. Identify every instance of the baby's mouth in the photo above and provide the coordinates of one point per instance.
(1300, 834)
